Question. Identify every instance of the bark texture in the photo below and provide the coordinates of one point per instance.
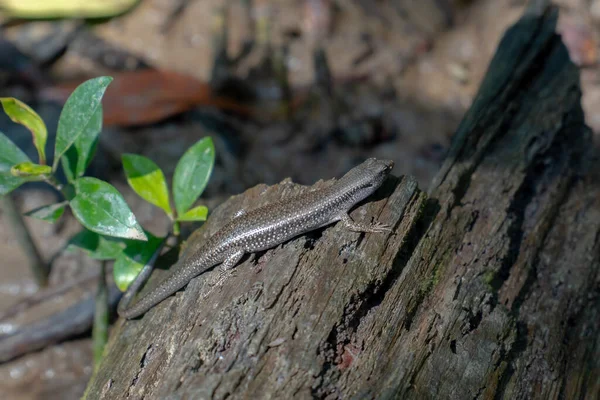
(488, 288)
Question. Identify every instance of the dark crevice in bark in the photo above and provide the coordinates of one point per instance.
(575, 331)
(327, 373)
(410, 387)
(523, 196)
(429, 212)
(192, 368)
(472, 322)
(516, 216)
(143, 362)
(472, 221)
(572, 164)
(516, 349)
(255, 257)
(461, 188)
(479, 392)
(312, 238)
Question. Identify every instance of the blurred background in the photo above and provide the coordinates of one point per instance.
(286, 88)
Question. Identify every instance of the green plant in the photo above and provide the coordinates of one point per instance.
(111, 231)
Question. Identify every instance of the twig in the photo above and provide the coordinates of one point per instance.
(46, 294)
(100, 328)
(72, 321)
(37, 265)
(141, 278)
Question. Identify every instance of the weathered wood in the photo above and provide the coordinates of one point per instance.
(489, 289)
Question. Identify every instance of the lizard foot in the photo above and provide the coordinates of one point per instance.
(375, 227)
(223, 276)
(378, 227)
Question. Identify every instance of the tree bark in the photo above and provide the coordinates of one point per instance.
(487, 288)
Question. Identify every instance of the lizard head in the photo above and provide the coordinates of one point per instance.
(362, 180)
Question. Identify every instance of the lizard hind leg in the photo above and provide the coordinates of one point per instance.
(226, 268)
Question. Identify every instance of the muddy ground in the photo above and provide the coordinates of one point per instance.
(401, 77)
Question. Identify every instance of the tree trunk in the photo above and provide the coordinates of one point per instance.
(489, 288)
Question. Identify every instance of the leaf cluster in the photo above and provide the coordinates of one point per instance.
(112, 231)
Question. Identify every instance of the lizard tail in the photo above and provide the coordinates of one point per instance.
(166, 288)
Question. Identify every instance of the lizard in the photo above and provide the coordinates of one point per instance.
(266, 227)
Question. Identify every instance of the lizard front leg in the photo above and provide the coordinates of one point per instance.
(377, 227)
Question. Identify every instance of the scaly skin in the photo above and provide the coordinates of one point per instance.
(271, 225)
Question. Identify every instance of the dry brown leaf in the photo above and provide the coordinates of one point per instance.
(148, 96)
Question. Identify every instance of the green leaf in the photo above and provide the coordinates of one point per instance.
(50, 213)
(78, 157)
(50, 9)
(147, 180)
(96, 246)
(10, 155)
(21, 113)
(101, 208)
(79, 112)
(131, 261)
(31, 171)
(195, 214)
(192, 173)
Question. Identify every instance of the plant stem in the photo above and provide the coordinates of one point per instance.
(37, 265)
(52, 181)
(100, 329)
(141, 278)
(68, 191)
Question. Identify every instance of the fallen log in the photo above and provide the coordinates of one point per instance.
(487, 288)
